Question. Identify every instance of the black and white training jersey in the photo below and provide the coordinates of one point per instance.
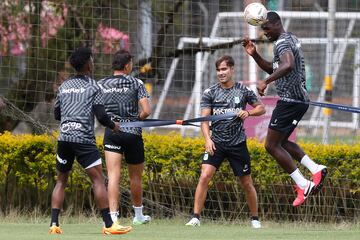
(121, 98)
(76, 98)
(229, 132)
(291, 86)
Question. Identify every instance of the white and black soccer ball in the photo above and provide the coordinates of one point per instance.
(255, 14)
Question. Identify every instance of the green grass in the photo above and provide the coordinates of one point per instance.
(175, 229)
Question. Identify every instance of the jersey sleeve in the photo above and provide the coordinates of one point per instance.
(206, 100)
(282, 46)
(142, 92)
(98, 97)
(251, 97)
(57, 110)
(57, 99)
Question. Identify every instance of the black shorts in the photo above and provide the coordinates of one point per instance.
(131, 145)
(86, 155)
(286, 116)
(238, 157)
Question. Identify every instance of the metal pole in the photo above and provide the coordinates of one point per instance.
(328, 68)
(146, 28)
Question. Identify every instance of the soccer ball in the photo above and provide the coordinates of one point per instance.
(255, 14)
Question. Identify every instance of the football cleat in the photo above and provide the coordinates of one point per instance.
(255, 224)
(145, 219)
(319, 178)
(195, 222)
(55, 230)
(302, 194)
(116, 229)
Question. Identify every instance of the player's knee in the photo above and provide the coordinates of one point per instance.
(61, 184)
(269, 147)
(205, 178)
(247, 186)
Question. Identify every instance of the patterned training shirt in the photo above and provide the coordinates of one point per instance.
(76, 97)
(229, 132)
(291, 86)
(121, 98)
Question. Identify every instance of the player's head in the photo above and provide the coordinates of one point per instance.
(224, 68)
(272, 27)
(81, 60)
(122, 61)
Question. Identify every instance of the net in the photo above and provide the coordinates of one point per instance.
(175, 45)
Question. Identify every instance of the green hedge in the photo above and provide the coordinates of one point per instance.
(27, 173)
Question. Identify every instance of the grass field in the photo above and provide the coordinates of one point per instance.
(175, 229)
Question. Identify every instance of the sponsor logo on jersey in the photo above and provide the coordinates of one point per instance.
(218, 111)
(117, 90)
(68, 126)
(73, 90)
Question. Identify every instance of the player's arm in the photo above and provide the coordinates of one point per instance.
(145, 108)
(205, 129)
(57, 110)
(286, 64)
(258, 110)
(251, 50)
(57, 113)
(103, 117)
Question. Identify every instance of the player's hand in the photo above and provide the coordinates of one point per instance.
(249, 46)
(116, 127)
(261, 87)
(243, 114)
(210, 146)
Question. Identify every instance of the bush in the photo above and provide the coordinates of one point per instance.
(27, 174)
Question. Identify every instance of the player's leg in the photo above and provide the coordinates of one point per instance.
(318, 171)
(135, 174)
(135, 158)
(113, 167)
(274, 147)
(247, 185)
(207, 172)
(208, 169)
(89, 158)
(239, 159)
(57, 200)
(64, 161)
(113, 156)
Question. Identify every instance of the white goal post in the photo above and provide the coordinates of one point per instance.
(193, 106)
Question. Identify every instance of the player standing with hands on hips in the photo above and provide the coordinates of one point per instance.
(228, 139)
(287, 70)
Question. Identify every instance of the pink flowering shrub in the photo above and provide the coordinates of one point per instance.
(110, 40)
(53, 16)
(14, 28)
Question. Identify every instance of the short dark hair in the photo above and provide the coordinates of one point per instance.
(121, 58)
(80, 57)
(273, 17)
(228, 59)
